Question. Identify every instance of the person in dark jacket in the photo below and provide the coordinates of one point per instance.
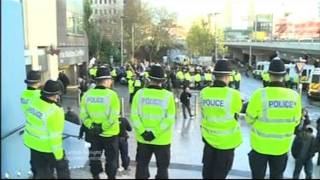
(185, 100)
(72, 116)
(305, 120)
(123, 142)
(65, 80)
(303, 149)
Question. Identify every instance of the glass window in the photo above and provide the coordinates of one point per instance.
(109, 1)
(96, 11)
(105, 12)
(114, 1)
(105, 1)
(74, 16)
(100, 1)
(96, 1)
(110, 11)
(114, 11)
(101, 12)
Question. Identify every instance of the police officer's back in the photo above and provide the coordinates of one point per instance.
(219, 128)
(273, 112)
(100, 108)
(153, 116)
(43, 133)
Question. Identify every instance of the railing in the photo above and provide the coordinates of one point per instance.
(317, 40)
(14, 131)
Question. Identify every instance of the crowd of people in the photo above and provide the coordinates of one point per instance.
(274, 114)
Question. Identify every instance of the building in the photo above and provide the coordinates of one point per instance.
(54, 37)
(107, 15)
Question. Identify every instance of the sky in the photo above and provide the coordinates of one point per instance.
(189, 10)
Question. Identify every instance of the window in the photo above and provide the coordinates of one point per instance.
(101, 12)
(109, 1)
(74, 16)
(110, 11)
(105, 1)
(114, 11)
(100, 1)
(96, 11)
(114, 1)
(105, 12)
(96, 1)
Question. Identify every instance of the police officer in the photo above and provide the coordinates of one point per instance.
(43, 133)
(265, 79)
(93, 72)
(153, 116)
(208, 77)
(100, 109)
(187, 77)
(273, 112)
(219, 128)
(197, 77)
(32, 92)
(237, 79)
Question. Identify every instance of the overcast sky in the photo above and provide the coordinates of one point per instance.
(189, 10)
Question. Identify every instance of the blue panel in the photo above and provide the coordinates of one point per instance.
(14, 156)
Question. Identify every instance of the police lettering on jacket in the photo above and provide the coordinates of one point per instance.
(281, 104)
(150, 101)
(213, 102)
(35, 112)
(95, 100)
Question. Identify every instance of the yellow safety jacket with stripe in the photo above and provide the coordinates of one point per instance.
(208, 76)
(180, 75)
(101, 106)
(187, 76)
(130, 86)
(237, 77)
(219, 127)
(27, 96)
(197, 77)
(153, 109)
(44, 127)
(129, 74)
(273, 112)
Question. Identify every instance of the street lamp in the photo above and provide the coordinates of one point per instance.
(121, 24)
(215, 32)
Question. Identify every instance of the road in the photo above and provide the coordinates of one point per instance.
(187, 146)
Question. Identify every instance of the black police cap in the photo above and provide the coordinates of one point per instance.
(222, 67)
(277, 67)
(156, 73)
(103, 73)
(51, 88)
(33, 77)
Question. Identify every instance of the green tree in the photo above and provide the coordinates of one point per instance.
(201, 40)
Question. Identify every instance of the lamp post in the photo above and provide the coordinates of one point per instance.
(132, 43)
(121, 18)
(215, 36)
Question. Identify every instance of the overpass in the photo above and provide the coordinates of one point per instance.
(289, 50)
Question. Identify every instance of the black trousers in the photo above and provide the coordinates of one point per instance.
(258, 165)
(123, 147)
(216, 163)
(184, 107)
(144, 154)
(110, 145)
(44, 164)
(237, 85)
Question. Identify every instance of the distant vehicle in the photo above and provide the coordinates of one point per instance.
(204, 60)
(314, 86)
(181, 59)
(291, 69)
(261, 67)
(306, 75)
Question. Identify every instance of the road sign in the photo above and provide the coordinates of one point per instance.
(299, 66)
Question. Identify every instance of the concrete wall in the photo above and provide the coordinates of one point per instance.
(40, 29)
(14, 155)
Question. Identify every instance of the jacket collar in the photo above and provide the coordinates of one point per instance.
(218, 83)
(100, 87)
(49, 100)
(31, 88)
(276, 84)
(154, 87)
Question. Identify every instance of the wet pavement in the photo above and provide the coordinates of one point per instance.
(187, 146)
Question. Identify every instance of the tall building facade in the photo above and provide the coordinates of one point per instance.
(107, 15)
(54, 38)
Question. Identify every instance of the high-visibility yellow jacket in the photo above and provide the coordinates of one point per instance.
(273, 112)
(218, 107)
(44, 127)
(27, 96)
(153, 109)
(101, 106)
